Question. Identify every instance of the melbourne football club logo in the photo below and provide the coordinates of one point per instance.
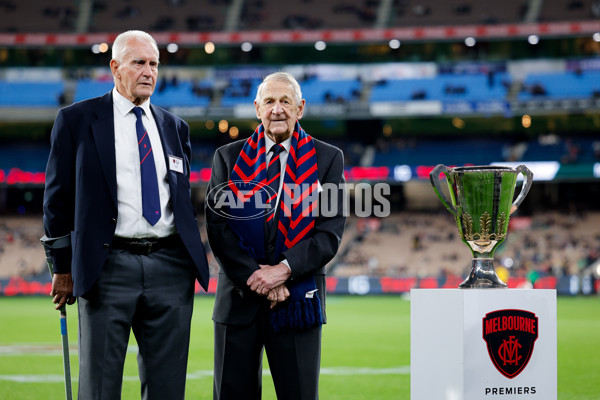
(510, 336)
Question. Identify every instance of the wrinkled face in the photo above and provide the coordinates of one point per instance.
(135, 75)
(278, 110)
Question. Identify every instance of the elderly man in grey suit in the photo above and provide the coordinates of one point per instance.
(117, 183)
(273, 230)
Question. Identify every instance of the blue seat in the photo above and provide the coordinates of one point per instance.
(240, 91)
(180, 95)
(30, 93)
(561, 85)
(317, 91)
(86, 89)
(448, 152)
(444, 87)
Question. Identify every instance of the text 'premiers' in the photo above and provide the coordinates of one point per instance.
(503, 391)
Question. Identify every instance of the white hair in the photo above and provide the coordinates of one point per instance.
(281, 77)
(119, 46)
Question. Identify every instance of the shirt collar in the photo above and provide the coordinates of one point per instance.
(125, 106)
(287, 143)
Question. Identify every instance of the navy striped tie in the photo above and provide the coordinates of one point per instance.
(150, 197)
(273, 179)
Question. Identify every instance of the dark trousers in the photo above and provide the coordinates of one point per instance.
(153, 295)
(294, 361)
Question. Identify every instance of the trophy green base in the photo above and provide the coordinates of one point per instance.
(483, 275)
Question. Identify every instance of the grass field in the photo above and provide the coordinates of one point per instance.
(366, 350)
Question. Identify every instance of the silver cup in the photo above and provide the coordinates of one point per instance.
(481, 200)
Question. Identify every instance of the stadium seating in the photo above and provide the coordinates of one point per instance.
(239, 91)
(449, 152)
(400, 245)
(569, 10)
(158, 15)
(87, 89)
(308, 14)
(403, 243)
(443, 87)
(442, 12)
(30, 94)
(27, 157)
(181, 15)
(407, 244)
(568, 151)
(180, 95)
(561, 85)
(317, 91)
(38, 16)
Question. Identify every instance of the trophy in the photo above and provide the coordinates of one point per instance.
(482, 201)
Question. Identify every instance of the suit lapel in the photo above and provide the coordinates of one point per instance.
(103, 131)
(168, 139)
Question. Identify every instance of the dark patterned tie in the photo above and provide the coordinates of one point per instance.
(273, 178)
(150, 197)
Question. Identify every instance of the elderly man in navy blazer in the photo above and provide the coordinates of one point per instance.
(117, 182)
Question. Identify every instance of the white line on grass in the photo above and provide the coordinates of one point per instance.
(44, 349)
(201, 374)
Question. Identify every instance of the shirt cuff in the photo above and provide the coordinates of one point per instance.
(285, 261)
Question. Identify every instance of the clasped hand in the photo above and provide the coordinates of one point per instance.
(269, 281)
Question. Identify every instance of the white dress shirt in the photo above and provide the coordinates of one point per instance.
(283, 156)
(130, 222)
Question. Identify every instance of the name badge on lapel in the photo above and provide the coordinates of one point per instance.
(176, 164)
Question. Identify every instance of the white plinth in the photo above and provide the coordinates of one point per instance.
(451, 359)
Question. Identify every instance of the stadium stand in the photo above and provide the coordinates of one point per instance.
(183, 93)
(551, 243)
(20, 251)
(443, 87)
(431, 152)
(561, 85)
(31, 94)
(159, 16)
(318, 91)
(441, 12)
(87, 89)
(226, 15)
(38, 16)
(401, 245)
(569, 10)
(239, 91)
(309, 14)
(27, 157)
(546, 243)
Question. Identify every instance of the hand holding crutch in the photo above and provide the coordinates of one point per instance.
(60, 289)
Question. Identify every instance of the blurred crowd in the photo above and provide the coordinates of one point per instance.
(21, 253)
(412, 244)
(405, 244)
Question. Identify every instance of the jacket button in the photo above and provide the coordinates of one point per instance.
(106, 246)
(114, 220)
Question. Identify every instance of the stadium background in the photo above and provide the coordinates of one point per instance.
(400, 86)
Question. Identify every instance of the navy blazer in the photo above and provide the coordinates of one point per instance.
(81, 188)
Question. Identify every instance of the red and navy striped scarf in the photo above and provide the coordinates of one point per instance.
(298, 204)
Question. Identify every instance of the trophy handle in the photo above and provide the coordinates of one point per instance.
(528, 180)
(434, 177)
